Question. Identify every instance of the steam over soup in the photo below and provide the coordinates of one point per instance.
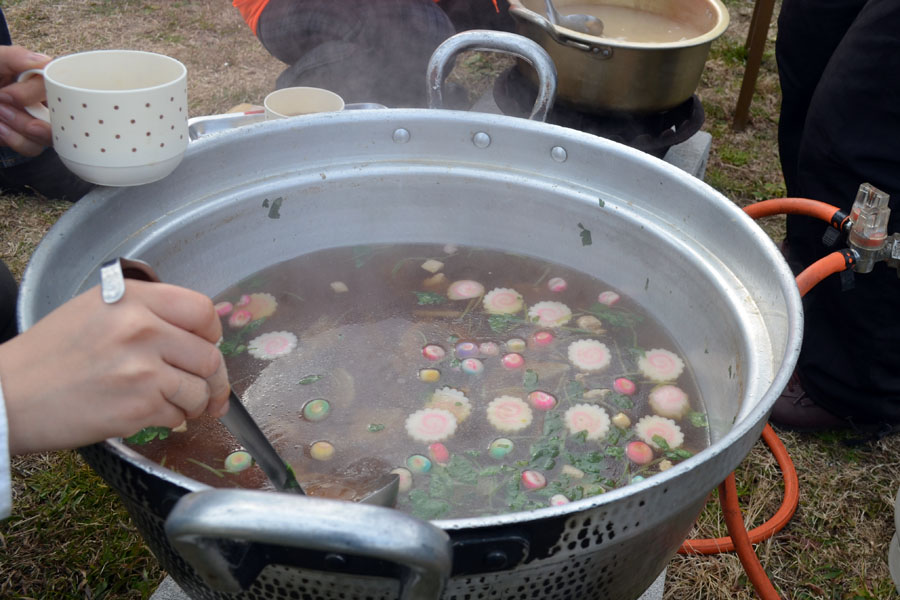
(490, 382)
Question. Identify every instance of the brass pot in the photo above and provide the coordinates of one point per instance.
(606, 75)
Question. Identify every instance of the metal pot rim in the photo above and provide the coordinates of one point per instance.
(745, 423)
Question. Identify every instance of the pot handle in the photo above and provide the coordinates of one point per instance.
(559, 35)
(207, 526)
(441, 64)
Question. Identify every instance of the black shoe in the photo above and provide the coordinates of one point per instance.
(795, 410)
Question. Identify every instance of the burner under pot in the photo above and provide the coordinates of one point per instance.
(653, 133)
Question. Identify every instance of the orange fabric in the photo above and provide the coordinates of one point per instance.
(250, 11)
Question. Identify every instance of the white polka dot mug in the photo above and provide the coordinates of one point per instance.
(118, 117)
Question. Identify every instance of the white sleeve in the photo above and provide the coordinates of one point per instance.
(5, 477)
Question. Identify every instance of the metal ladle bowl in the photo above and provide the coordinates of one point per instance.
(588, 24)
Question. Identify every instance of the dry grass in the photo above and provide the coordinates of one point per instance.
(69, 538)
(226, 64)
(834, 547)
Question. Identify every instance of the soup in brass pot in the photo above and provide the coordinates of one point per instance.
(490, 382)
(627, 24)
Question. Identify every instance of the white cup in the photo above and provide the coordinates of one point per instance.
(295, 101)
(118, 117)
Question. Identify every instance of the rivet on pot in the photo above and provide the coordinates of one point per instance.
(335, 561)
(481, 140)
(602, 51)
(559, 154)
(496, 560)
(401, 136)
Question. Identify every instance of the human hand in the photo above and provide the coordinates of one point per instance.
(19, 130)
(89, 371)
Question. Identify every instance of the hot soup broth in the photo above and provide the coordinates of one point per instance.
(629, 24)
(489, 382)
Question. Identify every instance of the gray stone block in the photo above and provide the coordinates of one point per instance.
(691, 155)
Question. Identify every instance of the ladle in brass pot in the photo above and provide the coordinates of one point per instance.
(383, 491)
(588, 24)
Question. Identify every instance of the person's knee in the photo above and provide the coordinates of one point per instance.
(478, 14)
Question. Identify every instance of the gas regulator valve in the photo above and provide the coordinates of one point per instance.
(868, 230)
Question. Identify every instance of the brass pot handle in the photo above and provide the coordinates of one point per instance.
(559, 35)
(441, 64)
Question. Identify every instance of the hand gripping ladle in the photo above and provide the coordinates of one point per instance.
(238, 420)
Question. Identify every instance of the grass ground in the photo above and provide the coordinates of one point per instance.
(69, 537)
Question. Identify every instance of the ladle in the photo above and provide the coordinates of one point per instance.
(588, 24)
(242, 426)
(383, 491)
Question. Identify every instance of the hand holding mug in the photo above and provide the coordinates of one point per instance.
(19, 130)
(118, 117)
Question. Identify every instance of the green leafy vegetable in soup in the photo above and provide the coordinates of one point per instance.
(488, 382)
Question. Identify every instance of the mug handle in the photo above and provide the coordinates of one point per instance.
(38, 111)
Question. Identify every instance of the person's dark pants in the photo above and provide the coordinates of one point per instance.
(364, 50)
(478, 14)
(839, 64)
(8, 293)
(44, 173)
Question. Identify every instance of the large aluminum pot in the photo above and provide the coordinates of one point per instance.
(600, 74)
(278, 189)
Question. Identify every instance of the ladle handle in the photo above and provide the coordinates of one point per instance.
(441, 64)
(213, 529)
(242, 426)
(552, 15)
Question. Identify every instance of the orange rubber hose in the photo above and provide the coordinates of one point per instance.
(819, 270)
(777, 522)
(793, 206)
(740, 539)
(735, 522)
